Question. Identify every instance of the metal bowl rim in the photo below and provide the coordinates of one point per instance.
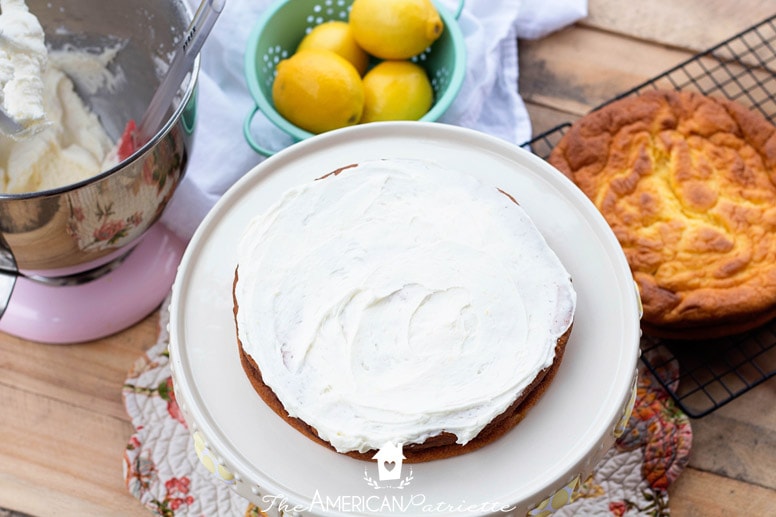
(165, 129)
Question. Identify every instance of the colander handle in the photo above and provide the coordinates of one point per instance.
(459, 10)
(249, 137)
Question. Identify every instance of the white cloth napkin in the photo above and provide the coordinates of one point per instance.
(488, 101)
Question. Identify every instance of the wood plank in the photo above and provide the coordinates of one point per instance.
(64, 427)
(690, 24)
(87, 375)
(577, 69)
(738, 440)
(32, 498)
(702, 494)
(59, 455)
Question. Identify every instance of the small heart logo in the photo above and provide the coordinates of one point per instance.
(389, 465)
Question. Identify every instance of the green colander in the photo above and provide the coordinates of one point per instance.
(283, 25)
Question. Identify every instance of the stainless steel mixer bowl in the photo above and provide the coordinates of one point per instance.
(88, 224)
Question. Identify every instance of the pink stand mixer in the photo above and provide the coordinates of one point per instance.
(85, 261)
(80, 308)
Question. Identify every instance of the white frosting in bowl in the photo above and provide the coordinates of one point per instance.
(398, 300)
(23, 59)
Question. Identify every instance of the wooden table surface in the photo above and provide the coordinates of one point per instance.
(63, 426)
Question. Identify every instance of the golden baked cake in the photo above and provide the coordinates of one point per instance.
(688, 184)
(399, 301)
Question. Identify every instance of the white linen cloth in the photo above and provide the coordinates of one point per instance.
(489, 100)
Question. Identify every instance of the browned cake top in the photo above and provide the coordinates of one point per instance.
(687, 184)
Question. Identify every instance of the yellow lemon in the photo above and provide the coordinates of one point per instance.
(318, 90)
(336, 36)
(395, 29)
(396, 90)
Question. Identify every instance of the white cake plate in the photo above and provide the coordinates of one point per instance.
(559, 442)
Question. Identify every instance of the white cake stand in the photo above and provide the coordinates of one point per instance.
(558, 443)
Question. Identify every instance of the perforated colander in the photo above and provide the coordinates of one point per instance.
(280, 29)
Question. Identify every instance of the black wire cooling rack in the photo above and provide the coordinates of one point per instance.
(703, 376)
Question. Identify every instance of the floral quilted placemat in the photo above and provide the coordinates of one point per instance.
(162, 469)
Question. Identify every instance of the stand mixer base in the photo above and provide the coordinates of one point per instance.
(101, 307)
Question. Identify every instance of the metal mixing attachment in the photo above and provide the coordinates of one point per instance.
(187, 51)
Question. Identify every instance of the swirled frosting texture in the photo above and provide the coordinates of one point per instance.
(398, 300)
